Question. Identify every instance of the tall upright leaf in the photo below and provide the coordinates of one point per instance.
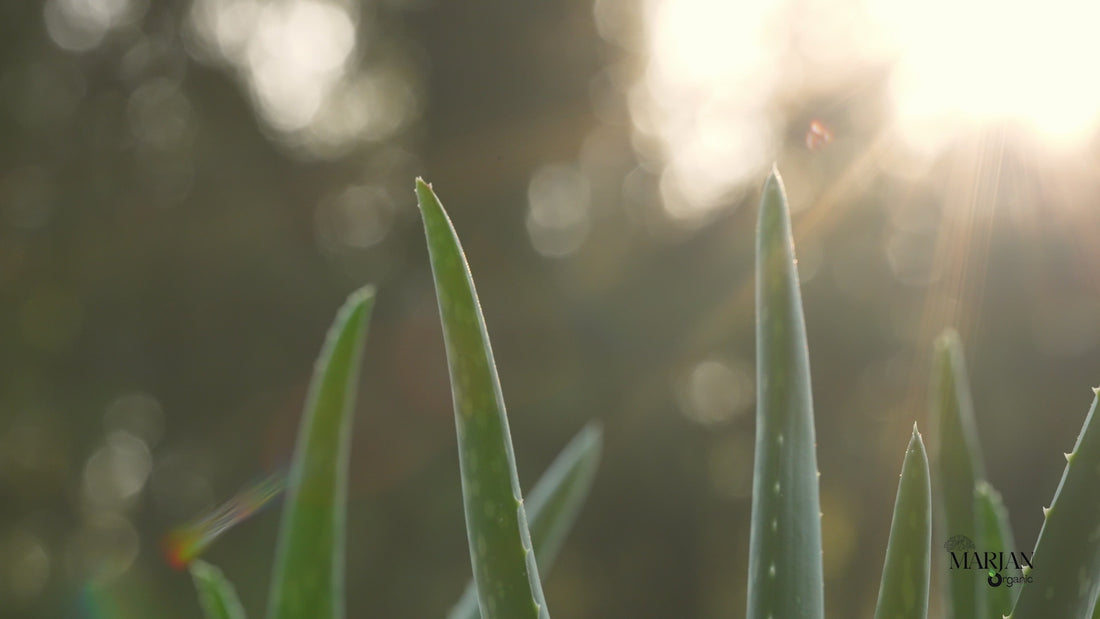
(994, 535)
(552, 505)
(307, 581)
(1067, 553)
(217, 596)
(903, 592)
(496, 523)
(785, 569)
(957, 467)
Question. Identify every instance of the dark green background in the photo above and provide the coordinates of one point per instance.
(202, 275)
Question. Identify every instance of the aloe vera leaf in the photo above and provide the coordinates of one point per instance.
(552, 505)
(504, 567)
(785, 569)
(957, 466)
(308, 578)
(994, 535)
(1067, 554)
(903, 592)
(217, 596)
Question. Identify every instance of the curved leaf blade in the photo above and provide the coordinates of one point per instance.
(217, 596)
(553, 505)
(496, 523)
(994, 535)
(308, 578)
(785, 568)
(1067, 553)
(957, 467)
(903, 592)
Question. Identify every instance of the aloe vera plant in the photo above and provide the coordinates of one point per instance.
(785, 569)
(994, 531)
(307, 582)
(308, 579)
(1067, 553)
(552, 505)
(1065, 581)
(217, 596)
(504, 566)
(958, 464)
(903, 592)
(785, 564)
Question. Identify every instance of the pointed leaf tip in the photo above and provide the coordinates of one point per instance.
(993, 531)
(947, 340)
(425, 196)
(592, 432)
(785, 464)
(774, 183)
(311, 533)
(217, 597)
(497, 527)
(361, 295)
(958, 463)
(903, 590)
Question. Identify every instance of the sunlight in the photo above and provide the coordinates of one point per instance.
(307, 74)
(713, 104)
(969, 63)
(705, 98)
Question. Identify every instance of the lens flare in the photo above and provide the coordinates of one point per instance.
(818, 135)
(183, 544)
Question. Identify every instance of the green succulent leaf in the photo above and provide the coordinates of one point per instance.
(552, 505)
(785, 569)
(217, 596)
(903, 593)
(1067, 554)
(994, 535)
(496, 523)
(957, 467)
(308, 578)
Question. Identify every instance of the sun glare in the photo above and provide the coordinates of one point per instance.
(971, 62)
(704, 99)
(719, 76)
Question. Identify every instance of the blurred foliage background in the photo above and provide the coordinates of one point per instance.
(189, 188)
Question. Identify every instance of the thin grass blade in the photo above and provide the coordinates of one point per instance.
(552, 505)
(308, 578)
(785, 569)
(1067, 554)
(217, 596)
(957, 468)
(995, 535)
(903, 592)
(496, 523)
